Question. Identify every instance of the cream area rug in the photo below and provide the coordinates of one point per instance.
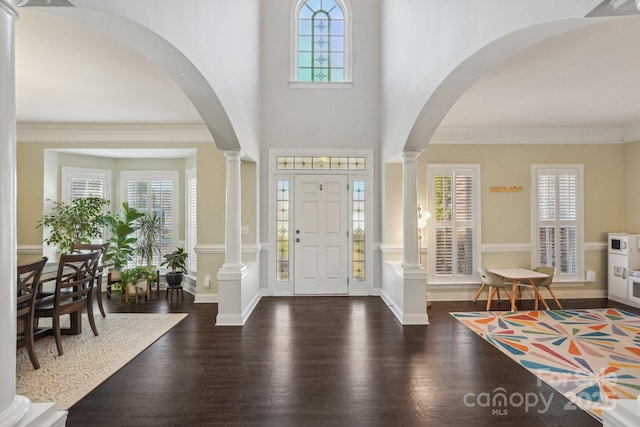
(88, 360)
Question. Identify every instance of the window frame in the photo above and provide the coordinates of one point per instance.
(191, 218)
(455, 278)
(173, 175)
(69, 173)
(347, 82)
(579, 222)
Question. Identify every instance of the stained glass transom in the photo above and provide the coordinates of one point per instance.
(320, 163)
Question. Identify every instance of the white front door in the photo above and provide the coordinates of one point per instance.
(320, 235)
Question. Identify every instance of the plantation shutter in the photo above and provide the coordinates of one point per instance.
(86, 186)
(454, 230)
(192, 222)
(558, 220)
(154, 194)
(80, 183)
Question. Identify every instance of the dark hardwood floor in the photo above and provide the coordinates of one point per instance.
(316, 361)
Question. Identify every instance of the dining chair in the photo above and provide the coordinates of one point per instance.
(28, 279)
(73, 292)
(87, 247)
(543, 283)
(494, 283)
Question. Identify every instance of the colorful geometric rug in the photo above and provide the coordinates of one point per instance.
(590, 356)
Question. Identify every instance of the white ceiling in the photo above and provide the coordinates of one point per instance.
(67, 73)
(588, 77)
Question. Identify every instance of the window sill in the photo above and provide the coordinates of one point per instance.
(320, 85)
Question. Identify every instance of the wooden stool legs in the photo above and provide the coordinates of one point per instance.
(179, 291)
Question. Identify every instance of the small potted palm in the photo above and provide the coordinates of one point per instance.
(177, 262)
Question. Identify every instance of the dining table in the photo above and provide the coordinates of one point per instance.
(520, 277)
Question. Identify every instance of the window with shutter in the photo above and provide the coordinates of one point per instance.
(557, 228)
(454, 227)
(82, 183)
(155, 192)
(191, 204)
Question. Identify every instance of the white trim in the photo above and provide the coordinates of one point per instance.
(321, 85)
(595, 246)
(219, 249)
(505, 247)
(348, 49)
(286, 287)
(432, 169)
(466, 292)
(151, 175)
(555, 135)
(156, 133)
(30, 249)
(494, 248)
(68, 172)
(579, 170)
(8, 8)
(631, 132)
(206, 299)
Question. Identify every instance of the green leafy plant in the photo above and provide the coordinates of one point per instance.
(122, 227)
(80, 221)
(149, 240)
(131, 276)
(177, 262)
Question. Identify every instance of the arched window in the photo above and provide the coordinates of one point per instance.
(321, 41)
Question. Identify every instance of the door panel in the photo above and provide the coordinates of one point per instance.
(321, 244)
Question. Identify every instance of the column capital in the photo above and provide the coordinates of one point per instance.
(9, 7)
(408, 156)
(231, 155)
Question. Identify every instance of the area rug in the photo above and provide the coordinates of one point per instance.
(590, 356)
(88, 360)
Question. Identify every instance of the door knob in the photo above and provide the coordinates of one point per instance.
(298, 239)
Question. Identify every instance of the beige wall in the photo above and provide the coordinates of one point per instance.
(631, 189)
(506, 217)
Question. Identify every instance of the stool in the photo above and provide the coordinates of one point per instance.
(178, 289)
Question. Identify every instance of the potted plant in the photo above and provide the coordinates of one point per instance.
(80, 221)
(149, 237)
(135, 280)
(177, 262)
(122, 228)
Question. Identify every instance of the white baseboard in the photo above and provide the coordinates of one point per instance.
(206, 299)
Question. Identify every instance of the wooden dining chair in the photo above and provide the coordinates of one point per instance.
(28, 279)
(73, 292)
(87, 247)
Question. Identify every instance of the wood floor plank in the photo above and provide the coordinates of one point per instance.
(316, 361)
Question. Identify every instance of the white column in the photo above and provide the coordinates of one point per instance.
(233, 219)
(410, 210)
(12, 408)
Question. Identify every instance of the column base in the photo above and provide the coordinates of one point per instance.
(23, 413)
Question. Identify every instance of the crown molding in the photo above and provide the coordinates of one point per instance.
(158, 133)
(632, 132)
(529, 135)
